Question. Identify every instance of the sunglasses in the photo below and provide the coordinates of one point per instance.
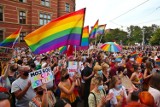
(5, 95)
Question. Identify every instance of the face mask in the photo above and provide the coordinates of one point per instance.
(100, 87)
(59, 64)
(100, 73)
(119, 86)
(40, 92)
(26, 74)
(140, 70)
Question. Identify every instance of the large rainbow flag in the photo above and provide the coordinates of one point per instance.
(85, 39)
(94, 30)
(158, 61)
(101, 29)
(11, 40)
(63, 31)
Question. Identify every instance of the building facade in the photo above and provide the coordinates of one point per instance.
(30, 14)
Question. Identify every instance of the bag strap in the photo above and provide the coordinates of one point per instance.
(94, 98)
(36, 102)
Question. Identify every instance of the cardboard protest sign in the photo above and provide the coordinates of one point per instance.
(5, 54)
(72, 67)
(126, 82)
(41, 76)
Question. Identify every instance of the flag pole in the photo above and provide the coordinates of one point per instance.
(16, 38)
(75, 51)
(101, 38)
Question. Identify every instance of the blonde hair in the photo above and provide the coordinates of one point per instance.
(104, 65)
(96, 68)
(97, 80)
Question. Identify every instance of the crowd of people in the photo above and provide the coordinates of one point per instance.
(96, 83)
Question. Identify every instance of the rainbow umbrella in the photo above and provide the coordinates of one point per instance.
(111, 47)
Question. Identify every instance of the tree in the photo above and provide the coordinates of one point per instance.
(155, 39)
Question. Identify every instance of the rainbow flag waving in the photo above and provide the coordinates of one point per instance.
(63, 49)
(133, 54)
(94, 30)
(63, 31)
(101, 29)
(85, 39)
(11, 40)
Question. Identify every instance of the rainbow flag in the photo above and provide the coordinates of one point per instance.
(63, 49)
(118, 58)
(84, 40)
(133, 54)
(63, 31)
(94, 30)
(11, 40)
(101, 29)
(158, 61)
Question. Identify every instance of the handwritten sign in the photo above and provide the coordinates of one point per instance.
(5, 54)
(41, 76)
(72, 67)
(126, 82)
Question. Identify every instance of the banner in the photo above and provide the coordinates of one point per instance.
(41, 76)
(126, 82)
(5, 54)
(72, 67)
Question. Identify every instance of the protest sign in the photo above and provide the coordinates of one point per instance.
(5, 54)
(41, 76)
(126, 82)
(72, 67)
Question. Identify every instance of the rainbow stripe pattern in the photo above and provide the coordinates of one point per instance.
(101, 29)
(118, 58)
(11, 40)
(111, 47)
(63, 31)
(63, 49)
(94, 30)
(85, 39)
(158, 61)
(133, 54)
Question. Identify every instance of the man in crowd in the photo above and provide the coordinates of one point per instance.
(22, 88)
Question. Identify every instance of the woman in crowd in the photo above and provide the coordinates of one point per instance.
(67, 87)
(43, 98)
(147, 75)
(137, 77)
(98, 97)
(119, 92)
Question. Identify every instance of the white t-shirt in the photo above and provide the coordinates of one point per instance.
(156, 94)
(116, 95)
(20, 84)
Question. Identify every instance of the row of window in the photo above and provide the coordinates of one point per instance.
(43, 2)
(43, 17)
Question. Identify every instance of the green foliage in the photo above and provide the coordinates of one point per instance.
(155, 39)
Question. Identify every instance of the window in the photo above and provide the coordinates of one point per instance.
(22, 35)
(22, 1)
(67, 7)
(22, 17)
(45, 3)
(1, 35)
(44, 18)
(1, 13)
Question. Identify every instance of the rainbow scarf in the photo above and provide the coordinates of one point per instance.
(63, 31)
(94, 30)
(101, 29)
(11, 40)
(158, 61)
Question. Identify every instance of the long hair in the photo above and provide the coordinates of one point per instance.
(113, 81)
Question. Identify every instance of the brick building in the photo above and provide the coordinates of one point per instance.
(31, 14)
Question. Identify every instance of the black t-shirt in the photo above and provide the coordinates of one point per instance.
(87, 71)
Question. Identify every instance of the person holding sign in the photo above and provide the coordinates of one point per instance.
(43, 98)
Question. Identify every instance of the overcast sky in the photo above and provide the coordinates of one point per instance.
(107, 10)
